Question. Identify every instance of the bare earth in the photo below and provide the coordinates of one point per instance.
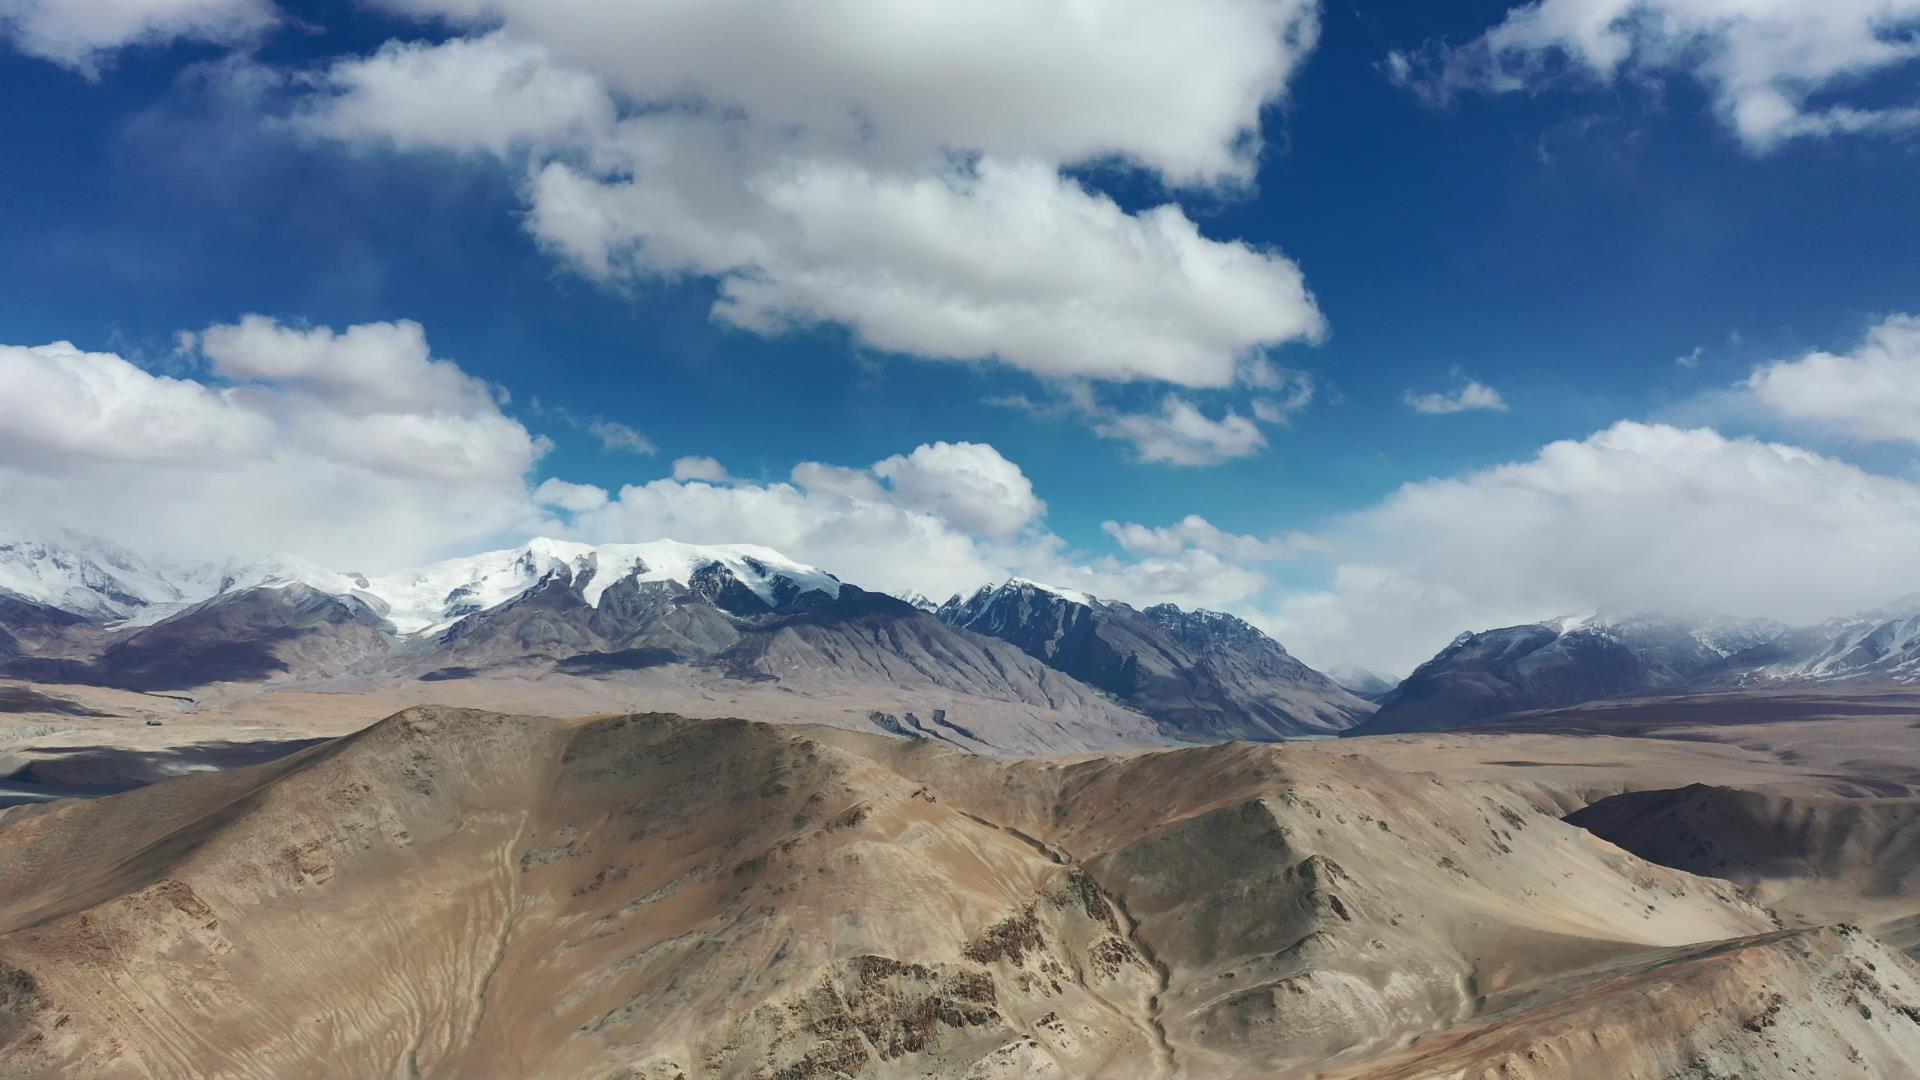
(454, 892)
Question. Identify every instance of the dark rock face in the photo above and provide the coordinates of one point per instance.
(723, 629)
(547, 621)
(728, 593)
(24, 623)
(1202, 675)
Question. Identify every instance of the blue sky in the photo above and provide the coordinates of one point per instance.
(1561, 231)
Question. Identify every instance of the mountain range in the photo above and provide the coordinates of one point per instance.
(1016, 668)
(1484, 675)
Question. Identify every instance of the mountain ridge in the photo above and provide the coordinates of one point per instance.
(1483, 675)
(1204, 675)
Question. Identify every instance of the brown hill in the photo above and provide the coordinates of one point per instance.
(458, 893)
(1816, 859)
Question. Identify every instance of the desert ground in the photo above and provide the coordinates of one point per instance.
(1704, 887)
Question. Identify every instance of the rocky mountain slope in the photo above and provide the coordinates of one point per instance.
(1480, 676)
(653, 897)
(1203, 675)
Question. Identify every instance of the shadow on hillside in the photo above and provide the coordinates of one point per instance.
(91, 771)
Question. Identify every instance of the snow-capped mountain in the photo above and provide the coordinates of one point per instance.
(918, 600)
(1365, 682)
(744, 575)
(78, 609)
(1202, 674)
(738, 624)
(1883, 644)
(83, 576)
(1562, 662)
(100, 581)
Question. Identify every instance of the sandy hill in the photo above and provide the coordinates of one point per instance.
(461, 893)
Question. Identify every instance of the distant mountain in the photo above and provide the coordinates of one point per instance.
(82, 576)
(1481, 676)
(758, 619)
(1203, 675)
(735, 624)
(1363, 682)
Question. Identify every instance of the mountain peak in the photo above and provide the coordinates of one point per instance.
(435, 594)
(1072, 596)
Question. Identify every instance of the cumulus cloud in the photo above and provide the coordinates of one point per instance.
(373, 367)
(1176, 88)
(1180, 434)
(1638, 517)
(357, 448)
(866, 538)
(968, 484)
(1467, 397)
(96, 407)
(1871, 394)
(939, 519)
(894, 170)
(571, 497)
(700, 468)
(488, 93)
(1008, 260)
(1776, 69)
(360, 449)
(85, 35)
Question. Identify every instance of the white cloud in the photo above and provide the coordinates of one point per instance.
(1191, 577)
(940, 519)
(1467, 397)
(354, 448)
(1177, 88)
(1871, 394)
(968, 484)
(1776, 69)
(1180, 434)
(896, 170)
(487, 93)
(870, 541)
(614, 435)
(1691, 360)
(1197, 532)
(83, 34)
(1008, 260)
(1638, 517)
(360, 450)
(89, 407)
(568, 496)
(373, 367)
(700, 468)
